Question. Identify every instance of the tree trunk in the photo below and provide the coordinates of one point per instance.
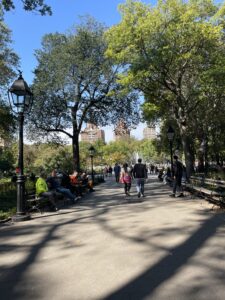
(75, 139)
(201, 157)
(217, 159)
(188, 150)
(76, 153)
(206, 155)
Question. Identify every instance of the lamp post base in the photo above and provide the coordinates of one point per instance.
(20, 218)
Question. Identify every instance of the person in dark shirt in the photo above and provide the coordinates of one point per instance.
(110, 171)
(54, 184)
(140, 173)
(117, 170)
(178, 173)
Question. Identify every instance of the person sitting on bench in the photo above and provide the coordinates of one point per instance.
(76, 183)
(53, 184)
(42, 190)
(87, 182)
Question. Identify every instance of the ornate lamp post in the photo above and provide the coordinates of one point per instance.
(170, 135)
(20, 99)
(91, 153)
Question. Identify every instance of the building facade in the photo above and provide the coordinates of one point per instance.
(92, 133)
(121, 131)
(149, 133)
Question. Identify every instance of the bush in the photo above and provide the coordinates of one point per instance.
(8, 197)
(7, 214)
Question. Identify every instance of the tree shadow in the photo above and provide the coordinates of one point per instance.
(145, 284)
(12, 278)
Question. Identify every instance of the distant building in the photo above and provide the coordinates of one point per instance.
(121, 131)
(149, 133)
(4, 143)
(92, 133)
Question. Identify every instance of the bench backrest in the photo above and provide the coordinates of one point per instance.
(214, 183)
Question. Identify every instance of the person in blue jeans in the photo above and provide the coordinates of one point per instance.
(54, 184)
(140, 173)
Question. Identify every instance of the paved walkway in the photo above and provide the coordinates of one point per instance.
(110, 248)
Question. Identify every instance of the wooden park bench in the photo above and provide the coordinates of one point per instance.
(211, 189)
(40, 204)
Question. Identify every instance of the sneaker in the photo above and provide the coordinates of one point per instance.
(139, 195)
(172, 195)
(142, 195)
(181, 195)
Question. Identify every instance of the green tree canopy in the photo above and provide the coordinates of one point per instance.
(75, 83)
(167, 50)
(8, 63)
(8, 58)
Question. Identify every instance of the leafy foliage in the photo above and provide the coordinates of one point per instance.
(169, 50)
(6, 160)
(29, 5)
(76, 83)
(8, 59)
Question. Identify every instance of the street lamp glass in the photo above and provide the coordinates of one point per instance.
(20, 95)
(91, 151)
(170, 133)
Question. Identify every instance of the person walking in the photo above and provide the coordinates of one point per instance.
(117, 170)
(178, 172)
(110, 171)
(126, 178)
(140, 173)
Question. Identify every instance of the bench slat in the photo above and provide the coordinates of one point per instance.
(209, 188)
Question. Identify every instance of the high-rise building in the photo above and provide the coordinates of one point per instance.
(92, 133)
(149, 133)
(121, 131)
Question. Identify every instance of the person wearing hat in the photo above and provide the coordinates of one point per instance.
(178, 172)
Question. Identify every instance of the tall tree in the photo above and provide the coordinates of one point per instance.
(75, 83)
(167, 50)
(8, 61)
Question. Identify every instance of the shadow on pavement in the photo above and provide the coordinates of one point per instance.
(145, 284)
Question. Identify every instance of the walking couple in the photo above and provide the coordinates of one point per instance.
(139, 172)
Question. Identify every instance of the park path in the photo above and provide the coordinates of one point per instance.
(107, 247)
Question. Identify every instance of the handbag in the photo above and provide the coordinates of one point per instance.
(121, 180)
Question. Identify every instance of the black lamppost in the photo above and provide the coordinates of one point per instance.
(91, 153)
(170, 135)
(20, 99)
